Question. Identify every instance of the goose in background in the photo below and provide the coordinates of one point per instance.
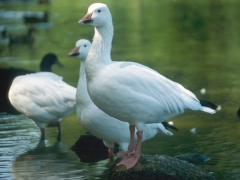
(22, 39)
(98, 123)
(44, 1)
(43, 97)
(4, 39)
(8, 74)
(129, 91)
(35, 18)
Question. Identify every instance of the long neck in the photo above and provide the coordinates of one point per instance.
(83, 99)
(100, 52)
(46, 68)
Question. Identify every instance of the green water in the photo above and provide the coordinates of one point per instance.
(195, 43)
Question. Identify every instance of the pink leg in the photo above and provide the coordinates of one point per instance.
(132, 146)
(130, 161)
(110, 153)
(132, 132)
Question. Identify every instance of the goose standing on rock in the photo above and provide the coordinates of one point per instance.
(43, 97)
(98, 123)
(129, 91)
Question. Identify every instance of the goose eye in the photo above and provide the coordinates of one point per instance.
(85, 45)
(99, 11)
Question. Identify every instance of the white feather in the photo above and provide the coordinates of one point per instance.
(42, 96)
(129, 91)
(97, 122)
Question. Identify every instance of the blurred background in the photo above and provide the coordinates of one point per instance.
(195, 43)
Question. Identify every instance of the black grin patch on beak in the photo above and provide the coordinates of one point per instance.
(87, 21)
(75, 54)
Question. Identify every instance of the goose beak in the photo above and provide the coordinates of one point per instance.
(59, 63)
(74, 52)
(86, 19)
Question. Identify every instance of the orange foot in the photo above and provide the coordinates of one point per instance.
(129, 152)
(122, 153)
(129, 161)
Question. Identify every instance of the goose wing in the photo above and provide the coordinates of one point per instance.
(147, 84)
(42, 92)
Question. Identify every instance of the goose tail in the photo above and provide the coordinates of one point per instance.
(169, 126)
(208, 106)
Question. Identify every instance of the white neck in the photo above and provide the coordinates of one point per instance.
(83, 99)
(100, 52)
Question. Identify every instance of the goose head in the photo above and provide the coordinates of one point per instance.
(81, 49)
(98, 15)
(48, 60)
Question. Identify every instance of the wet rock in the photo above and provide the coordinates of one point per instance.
(158, 167)
(193, 158)
(91, 149)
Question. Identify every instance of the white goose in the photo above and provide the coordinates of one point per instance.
(43, 97)
(130, 91)
(98, 123)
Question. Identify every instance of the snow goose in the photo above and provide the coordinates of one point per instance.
(130, 91)
(43, 97)
(9, 74)
(98, 123)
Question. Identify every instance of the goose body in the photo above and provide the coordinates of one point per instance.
(97, 122)
(130, 91)
(43, 97)
(9, 74)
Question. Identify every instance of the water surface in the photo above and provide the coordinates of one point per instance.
(195, 43)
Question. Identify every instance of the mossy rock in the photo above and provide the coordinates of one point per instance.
(158, 167)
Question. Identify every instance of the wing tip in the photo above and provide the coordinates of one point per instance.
(208, 106)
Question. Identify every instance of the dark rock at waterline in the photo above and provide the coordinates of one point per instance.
(158, 167)
(193, 158)
(91, 149)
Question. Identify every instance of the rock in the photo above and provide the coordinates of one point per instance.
(193, 158)
(91, 149)
(158, 167)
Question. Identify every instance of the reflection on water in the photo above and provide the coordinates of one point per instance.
(17, 135)
(195, 43)
(53, 162)
(24, 156)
